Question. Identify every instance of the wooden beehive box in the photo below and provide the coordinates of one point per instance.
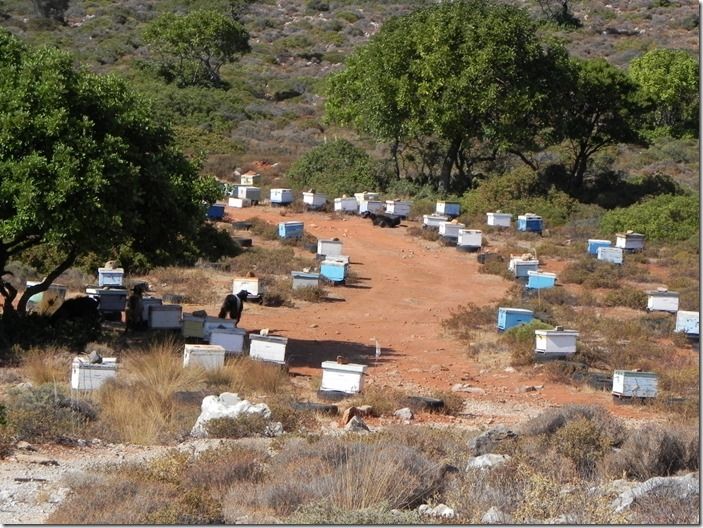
(208, 357)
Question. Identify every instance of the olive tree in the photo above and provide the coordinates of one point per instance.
(85, 166)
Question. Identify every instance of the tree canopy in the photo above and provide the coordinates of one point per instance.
(191, 48)
(85, 167)
(468, 79)
(669, 80)
(335, 168)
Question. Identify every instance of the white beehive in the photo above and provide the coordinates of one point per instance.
(192, 326)
(633, 384)
(520, 266)
(610, 254)
(398, 207)
(146, 303)
(250, 193)
(314, 200)
(450, 229)
(91, 376)
(205, 356)
(448, 208)
(231, 339)
(212, 323)
(370, 206)
(165, 316)
(555, 342)
(281, 196)
(249, 284)
(110, 277)
(662, 300)
(346, 205)
(364, 196)
(470, 238)
(499, 219)
(268, 348)
(329, 248)
(347, 378)
(302, 279)
(688, 322)
(250, 178)
(629, 241)
(239, 203)
(434, 220)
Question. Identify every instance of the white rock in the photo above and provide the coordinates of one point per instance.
(495, 516)
(226, 405)
(404, 414)
(441, 510)
(357, 425)
(679, 487)
(487, 461)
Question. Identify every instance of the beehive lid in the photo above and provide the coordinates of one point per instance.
(542, 274)
(111, 270)
(209, 349)
(107, 363)
(269, 338)
(516, 310)
(232, 331)
(349, 367)
(555, 331)
(598, 240)
(662, 292)
(635, 373)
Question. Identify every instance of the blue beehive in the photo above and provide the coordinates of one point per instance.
(530, 222)
(216, 212)
(537, 280)
(334, 271)
(290, 230)
(594, 244)
(448, 208)
(510, 317)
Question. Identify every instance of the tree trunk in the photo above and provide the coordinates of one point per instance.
(578, 170)
(448, 163)
(44, 285)
(394, 154)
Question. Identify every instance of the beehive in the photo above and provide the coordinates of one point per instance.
(499, 219)
(231, 339)
(91, 376)
(268, 348)
(348, 378)
(165, 316)
(208, 357)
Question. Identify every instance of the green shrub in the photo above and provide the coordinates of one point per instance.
(335, 168)
(551, 421)
(592, 273)
(626, 296)
(244, 425)
(521, 340)
(664, 217)
(584, 443)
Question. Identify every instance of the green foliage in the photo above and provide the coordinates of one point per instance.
(521, 340)
(335, 168)
(668, 79)
(190, 49)
(664, 217)
(584, 443)
(51, 9)
(244, 425)
(628, 297)
(448, 77)
(86, 167)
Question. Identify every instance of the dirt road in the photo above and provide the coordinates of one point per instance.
(405, 287)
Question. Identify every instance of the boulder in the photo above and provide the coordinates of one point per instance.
(679, 487)
(404, 414)
(226, 405)
(357, 425)
(487, 461)
(465, 387)
(348, 414)
(495, 516)
(487, 440)
(25, 446)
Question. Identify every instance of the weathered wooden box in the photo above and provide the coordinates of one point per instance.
(302, 279)
(111, 299)
(520, 267)
(346, 205)
(370, 206)
(448, 208)
(334, 270)
(329, 248)
(510, 317)
(348, 378)
(469, 239)
(239, 203)
(165, 316)
(250, 193)
(91, 376)
(110, 277)
(610, 254)
(268, 348)
(434, 220)
(250, 179)
(632, 384)
(248, 284)
(231, 339)
(215, 212)
(314, 200)
(281, 196)
(291, 229)
(594, 243)
(398, 207)
(146, 303)
(629, 241)
(450, 229)
(215, 323)
(365, 196)
(192, 326)
(208, 357)
(530, 222)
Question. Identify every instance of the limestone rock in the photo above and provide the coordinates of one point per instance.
(487, 461)
(487, 440)
(679, 487)
(357, 425)
(441, 510)
(226, 405)
(404, 414)
(495, 516)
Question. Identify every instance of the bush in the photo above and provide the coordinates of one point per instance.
(521, 340)
(335, 168)
(628, 297)
(584, 443)
(649, 452)
(242, 426)
(664, 217)
(551, 421)
(592, 273)
(324, 513)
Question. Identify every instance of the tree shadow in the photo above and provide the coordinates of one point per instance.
(311, 353)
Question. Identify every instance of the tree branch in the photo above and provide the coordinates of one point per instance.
(527, 161)
(44, 285)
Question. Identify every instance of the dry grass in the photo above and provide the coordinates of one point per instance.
(47, 365)
(384, 400)
(194, 284)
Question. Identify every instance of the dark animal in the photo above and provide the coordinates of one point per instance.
(384, 219)
(77, 308)
(134, 308)
(233, 306)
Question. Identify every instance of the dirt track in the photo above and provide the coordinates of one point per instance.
(406, 287)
